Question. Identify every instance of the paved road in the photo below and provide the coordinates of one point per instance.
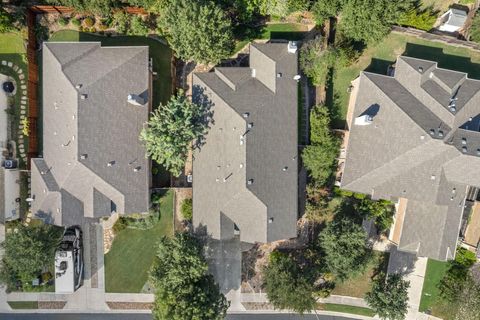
(79, 316)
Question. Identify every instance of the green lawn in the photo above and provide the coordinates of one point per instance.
(12, 49)
(287, 31)
(23, 304)
(358, 286)
(377, 58)
(160, 53)
(430, 292)
(131, 256)
(348, 309)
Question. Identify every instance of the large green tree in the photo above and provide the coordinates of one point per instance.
(324, 9)
(380, 211)
(370, 20)
(184, 290)
(389, 297)
(28, 250)
(287, 285)
(102, 7)
(320, 156)
(345, 248)
(197, 30)
(171, 130)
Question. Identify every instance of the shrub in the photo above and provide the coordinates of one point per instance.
(138, 26)
(102, 27)
(187, 209)
(120, 225)
(89, 22)
(120, 22)
(422, 20)
(76, 22)
(63, 21)
(381, 211)
(92, 30)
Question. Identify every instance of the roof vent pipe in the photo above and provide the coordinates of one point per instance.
(364, 120)
(292, 47)
(135, 99)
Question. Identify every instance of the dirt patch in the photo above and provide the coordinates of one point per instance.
(51, 304)
(180, 195)
(130, 305)
(258, 306)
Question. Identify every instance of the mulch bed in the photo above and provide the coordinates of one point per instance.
(51, 304)
(130, 305)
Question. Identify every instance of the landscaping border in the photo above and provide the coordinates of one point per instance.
(425, 35)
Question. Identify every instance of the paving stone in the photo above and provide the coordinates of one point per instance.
(23, 86)
(23, 111)
(20, 71)
(24, 97)
(10, 64)
(22, 81)
(15, 67)
(24, 92)
(23, 102)
(4, 63)
(22, 76)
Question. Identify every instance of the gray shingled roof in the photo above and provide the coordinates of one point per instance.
(399, 156)
(87, 124)
(260, 108)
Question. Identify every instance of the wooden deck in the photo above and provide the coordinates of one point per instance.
(396, 232)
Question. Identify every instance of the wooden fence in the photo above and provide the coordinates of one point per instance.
(32, 87)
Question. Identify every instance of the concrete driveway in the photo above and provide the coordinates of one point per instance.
(413, 270)
(224, 258)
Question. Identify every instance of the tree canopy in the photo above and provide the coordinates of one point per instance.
(389, 297)
(6, 21)
(344, 244)
(381, 211)
(27, 251)
(286, 285)
(320, 157)
(102, 7)
(324, 9)
(197, 30)
(184, 289)
(171, 130)
(370, 20)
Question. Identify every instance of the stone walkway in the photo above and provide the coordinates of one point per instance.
(22, 87)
